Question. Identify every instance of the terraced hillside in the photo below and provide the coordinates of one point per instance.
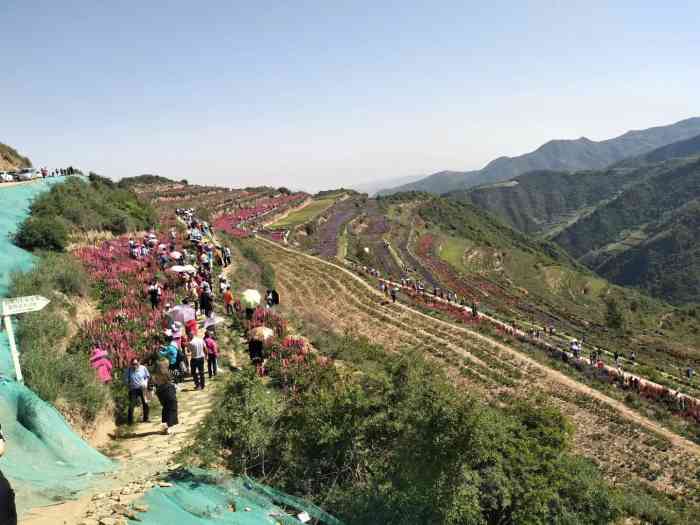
(627, 445)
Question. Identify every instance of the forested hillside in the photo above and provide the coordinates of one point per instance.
(649, 218)
(667, 263)
(560, 155)
(543, 202)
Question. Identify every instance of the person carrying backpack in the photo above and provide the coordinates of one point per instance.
(154, 294)
(171, 352)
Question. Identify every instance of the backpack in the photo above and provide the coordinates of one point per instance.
(180, 357)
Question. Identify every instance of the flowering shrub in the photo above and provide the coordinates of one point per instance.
(128, 326)
(268, 318)
(234, 223)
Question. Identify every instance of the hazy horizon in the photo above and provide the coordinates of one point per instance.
(318, 96)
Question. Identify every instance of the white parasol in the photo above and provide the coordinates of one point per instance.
(250, 298)
(177, 269)
(261, 333)
(213, 321)
(175, 255)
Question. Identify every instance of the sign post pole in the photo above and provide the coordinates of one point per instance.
(19, 305)
(13, 347)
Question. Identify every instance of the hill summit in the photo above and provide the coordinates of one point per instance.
(559, 155)
(10, 159)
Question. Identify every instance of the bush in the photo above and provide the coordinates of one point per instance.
(78, 206)
(42, 233)
(55, 375)
(389, 440)
(267, 273)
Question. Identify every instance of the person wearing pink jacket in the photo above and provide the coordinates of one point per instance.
(99, 360)
(212, 349)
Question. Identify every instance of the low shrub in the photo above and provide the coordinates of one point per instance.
(77, 205)
(387, 439)
(42, 233)
(267, 273)
(53, 374)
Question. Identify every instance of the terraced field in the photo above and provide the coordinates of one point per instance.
(627, 445)
(304, 214)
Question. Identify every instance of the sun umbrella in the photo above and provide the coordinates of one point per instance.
(178, 268)
(250, 298)
(175, 255)
(261, 333)
(213, 321)
(181, 313)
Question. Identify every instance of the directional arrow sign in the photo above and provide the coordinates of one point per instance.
(22, 305)
(19, 305)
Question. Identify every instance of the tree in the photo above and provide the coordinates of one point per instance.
(614, 317)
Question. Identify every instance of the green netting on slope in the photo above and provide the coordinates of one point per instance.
(45, 460)
(14, 203)
(200, 497)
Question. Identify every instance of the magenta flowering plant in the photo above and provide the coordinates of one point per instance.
(127, 327)
(235, 223)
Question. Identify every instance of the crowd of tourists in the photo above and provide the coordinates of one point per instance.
(190, 348)
(618, 369)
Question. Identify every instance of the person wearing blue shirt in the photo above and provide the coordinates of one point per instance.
(169, 352)
(136, 379)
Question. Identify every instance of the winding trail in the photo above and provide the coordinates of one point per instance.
(349, 297)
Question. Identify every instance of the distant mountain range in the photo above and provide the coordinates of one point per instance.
(543, 202)
(374, 186)
(558, 155)
(633, 223)
(11, 160)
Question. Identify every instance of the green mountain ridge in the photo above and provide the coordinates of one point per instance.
(645, 236)
(559, 155)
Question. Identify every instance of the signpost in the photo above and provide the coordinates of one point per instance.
(19, 305)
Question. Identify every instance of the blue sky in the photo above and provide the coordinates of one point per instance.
(321, 94)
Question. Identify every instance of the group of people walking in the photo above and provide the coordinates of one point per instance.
(187, 345)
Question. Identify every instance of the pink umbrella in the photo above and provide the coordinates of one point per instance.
(181, 313)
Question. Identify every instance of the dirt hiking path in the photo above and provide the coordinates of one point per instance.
(555, 375)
